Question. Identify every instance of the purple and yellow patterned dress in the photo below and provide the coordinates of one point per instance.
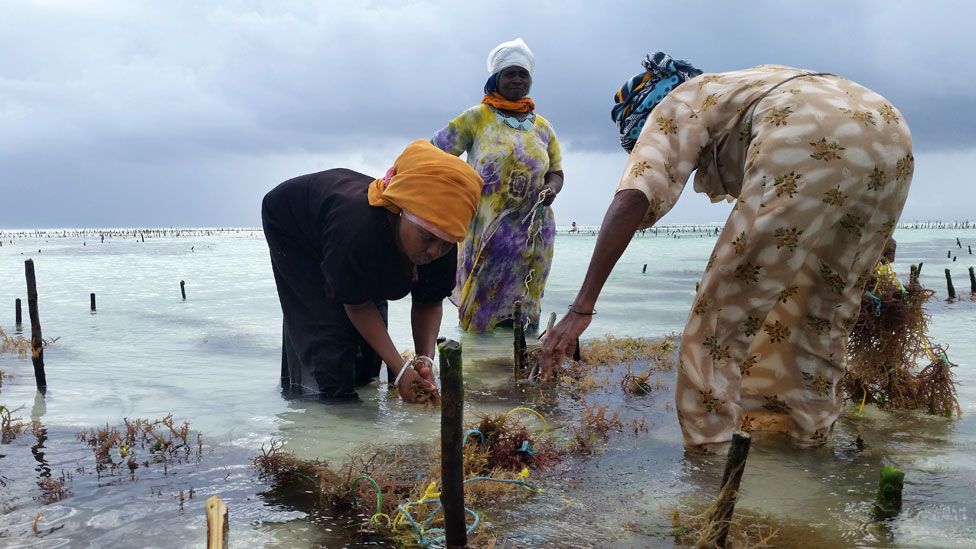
(508, 251)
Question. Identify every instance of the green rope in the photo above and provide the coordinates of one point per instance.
(379, 493)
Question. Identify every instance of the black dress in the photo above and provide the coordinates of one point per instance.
(329, 247)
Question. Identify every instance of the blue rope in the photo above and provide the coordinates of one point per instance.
(877, 303)
(470, 432)
(427, 536)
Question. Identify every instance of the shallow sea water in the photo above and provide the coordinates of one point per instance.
(214, 360)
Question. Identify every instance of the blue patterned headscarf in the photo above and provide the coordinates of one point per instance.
(635, 100)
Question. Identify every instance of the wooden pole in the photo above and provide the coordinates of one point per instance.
(93, 302)
(645, 269)
(37, 340)
(949, 287)
(888, 502)
(972, 281)
(918, 272)
(452, 436)
(913, 277)
(217, 524)
(518, 334)
(724, 507)
(18, 314)
(183, 289)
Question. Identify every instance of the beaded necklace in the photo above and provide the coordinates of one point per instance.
(515, 123)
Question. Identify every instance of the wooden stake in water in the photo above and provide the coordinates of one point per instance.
(518, 334)
(217, 524)
(37, 341)
(735, 464)
(972, 281)
(18, 315)
(645, 269)
(183, 289)
(952, 291)
(92, 302)
(452, 438)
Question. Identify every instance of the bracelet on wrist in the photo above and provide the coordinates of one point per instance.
(581, 313)
(412, 364)
(400, 374)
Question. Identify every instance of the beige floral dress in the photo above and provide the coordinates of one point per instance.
(820, 168)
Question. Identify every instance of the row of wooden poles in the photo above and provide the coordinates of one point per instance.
(123, 233)
(950, 288)
(37, 338)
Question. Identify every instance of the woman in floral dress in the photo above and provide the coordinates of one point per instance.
(508, 251)
(819, 167)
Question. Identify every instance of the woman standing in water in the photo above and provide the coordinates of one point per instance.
(507, 254)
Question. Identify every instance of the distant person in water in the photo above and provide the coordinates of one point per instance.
(342, 244)
(819, 167)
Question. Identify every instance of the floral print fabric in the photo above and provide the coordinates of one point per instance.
(508, 250)
(820, 167)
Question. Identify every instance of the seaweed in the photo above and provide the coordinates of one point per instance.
(162, 439)
(936, 388)
(595, 424)
(887, 339)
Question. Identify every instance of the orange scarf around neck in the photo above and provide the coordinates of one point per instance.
(495, 99)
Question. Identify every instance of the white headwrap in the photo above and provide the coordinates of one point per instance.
(514, 53)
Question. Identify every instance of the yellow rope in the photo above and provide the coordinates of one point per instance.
(928, 349)
(863, 400)
(883, 272)
(545, 424)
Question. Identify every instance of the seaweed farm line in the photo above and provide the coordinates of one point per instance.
(212, 360)
(176, 232)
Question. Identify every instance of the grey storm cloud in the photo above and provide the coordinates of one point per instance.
(122, 112)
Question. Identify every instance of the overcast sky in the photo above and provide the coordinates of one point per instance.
(184, 113)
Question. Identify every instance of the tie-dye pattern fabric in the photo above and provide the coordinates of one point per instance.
(820, 167)
(509, 241)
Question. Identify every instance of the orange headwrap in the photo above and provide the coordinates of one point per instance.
(432, 185)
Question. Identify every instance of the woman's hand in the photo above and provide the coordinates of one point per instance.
(553, 184)
(560, 341)
(622, 219)
(549, 195)
(417, 385)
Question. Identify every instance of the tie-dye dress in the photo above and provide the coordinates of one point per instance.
(508, 251)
